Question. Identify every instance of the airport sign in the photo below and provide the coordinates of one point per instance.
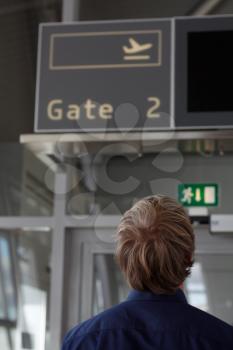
(104, 76)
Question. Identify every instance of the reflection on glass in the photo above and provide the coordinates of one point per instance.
(33, 317)
(7, 293)
(196, 288)
(109, 287)
(34, 275)
(24, 289)
(4, 340)
(8, 287)
(210, 286)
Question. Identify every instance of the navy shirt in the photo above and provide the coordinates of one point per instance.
(147, 321)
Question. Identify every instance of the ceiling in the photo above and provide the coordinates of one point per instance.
(112, 9)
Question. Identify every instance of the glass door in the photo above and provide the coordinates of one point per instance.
(209, 287)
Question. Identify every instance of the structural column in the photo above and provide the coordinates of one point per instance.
(58, 258)
(70, 10)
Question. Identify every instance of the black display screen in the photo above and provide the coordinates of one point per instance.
(210, 71)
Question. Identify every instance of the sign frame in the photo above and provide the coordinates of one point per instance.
(134, 24)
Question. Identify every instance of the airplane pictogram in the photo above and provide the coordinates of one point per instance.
(136, 48)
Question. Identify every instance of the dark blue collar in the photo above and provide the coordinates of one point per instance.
(178, 296)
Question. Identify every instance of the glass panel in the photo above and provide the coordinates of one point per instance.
(2, 304)
(210, 286)
(196, 288)
(8, 286)
(4, 339)
(34, 287)
(24, 290)
(109, 287)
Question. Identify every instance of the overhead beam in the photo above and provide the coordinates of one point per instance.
(24, 222)
(206, 8)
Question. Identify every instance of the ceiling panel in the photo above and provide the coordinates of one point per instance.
(112, 9)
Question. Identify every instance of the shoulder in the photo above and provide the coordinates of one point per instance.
(110, 319)
(196, 323)
(208, 326)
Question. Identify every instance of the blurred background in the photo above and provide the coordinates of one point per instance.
(57, 221)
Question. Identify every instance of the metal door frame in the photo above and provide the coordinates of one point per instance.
(58, 223)
(87, 284)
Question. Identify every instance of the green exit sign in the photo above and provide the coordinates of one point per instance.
(198, 195)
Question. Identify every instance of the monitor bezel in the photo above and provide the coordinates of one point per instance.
(183, 118)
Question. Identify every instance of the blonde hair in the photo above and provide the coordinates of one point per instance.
(155, 245)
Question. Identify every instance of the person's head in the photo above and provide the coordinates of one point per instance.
(155, 245)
